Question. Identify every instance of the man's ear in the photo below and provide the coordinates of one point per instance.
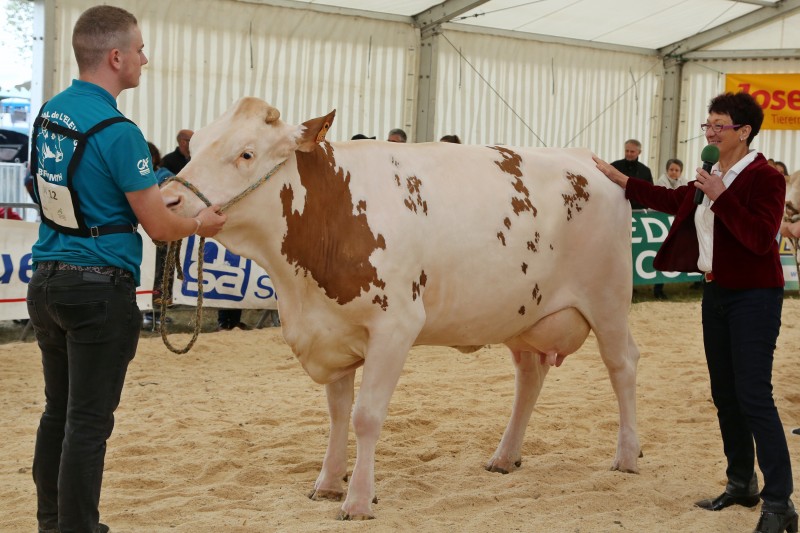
(314, 132)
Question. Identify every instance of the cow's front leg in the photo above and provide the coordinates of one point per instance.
(334, 467)
(382, 368)
(530, 374)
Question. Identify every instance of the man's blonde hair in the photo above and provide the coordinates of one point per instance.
(99, 30)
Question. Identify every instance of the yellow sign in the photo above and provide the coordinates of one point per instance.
(778, 94)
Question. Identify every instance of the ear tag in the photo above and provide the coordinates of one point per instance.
(323, 131)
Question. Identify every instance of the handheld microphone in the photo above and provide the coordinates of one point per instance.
(709, 155)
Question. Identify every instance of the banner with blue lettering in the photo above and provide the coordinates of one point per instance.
(229, 280)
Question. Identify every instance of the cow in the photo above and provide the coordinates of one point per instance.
(375, 247)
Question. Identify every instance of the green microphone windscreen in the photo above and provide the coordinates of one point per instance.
(710, 154)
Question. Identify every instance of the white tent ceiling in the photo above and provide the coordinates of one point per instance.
(647, 24)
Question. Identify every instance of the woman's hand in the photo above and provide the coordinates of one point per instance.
(611, 173)
(710, 184)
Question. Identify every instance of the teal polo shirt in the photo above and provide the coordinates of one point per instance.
(116, 161)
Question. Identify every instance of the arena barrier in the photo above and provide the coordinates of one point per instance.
(231, 281)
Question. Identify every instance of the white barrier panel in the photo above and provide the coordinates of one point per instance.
(17, 238)
(229, 281)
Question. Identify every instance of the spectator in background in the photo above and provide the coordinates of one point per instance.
(397, 135)
(782, 169)
(177, 159)
(450, 139)
(672, 179)
(631, 167)
(360, 137)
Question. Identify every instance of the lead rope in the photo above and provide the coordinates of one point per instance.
(172, 261)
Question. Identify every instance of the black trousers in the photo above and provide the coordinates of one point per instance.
(740, 329)
(87, 327)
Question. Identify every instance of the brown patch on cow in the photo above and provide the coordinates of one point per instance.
(501, 237)
(536, 294)
(581, 196)
(416, 287)
(521, 199)
(383, 302)
(414, 199)
(524, 268)
(397, 180)
(533, 245)
(327, 240)
(521, 310)
(510, 162)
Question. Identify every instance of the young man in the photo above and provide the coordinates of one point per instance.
(94, 182)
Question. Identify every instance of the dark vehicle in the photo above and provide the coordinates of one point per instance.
(13, 146)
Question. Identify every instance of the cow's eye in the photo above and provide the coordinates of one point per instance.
(247, 155)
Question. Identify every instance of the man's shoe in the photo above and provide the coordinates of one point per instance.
(796, 431)
(777, 522)
(726, 500)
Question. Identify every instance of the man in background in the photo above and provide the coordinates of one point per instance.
(177, 159)
(632, 167)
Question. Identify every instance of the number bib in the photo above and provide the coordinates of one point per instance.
(56, 202)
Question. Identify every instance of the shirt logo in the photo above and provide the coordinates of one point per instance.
(144, 166)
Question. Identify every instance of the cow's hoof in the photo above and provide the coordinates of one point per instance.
(625, 469)
(320, 494)
(347, 516)
(494, 467)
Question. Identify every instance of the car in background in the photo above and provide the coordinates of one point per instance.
(13, 146)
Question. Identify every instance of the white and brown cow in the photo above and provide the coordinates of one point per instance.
(375, 247)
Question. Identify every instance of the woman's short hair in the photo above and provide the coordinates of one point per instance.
(671, 162)
(98, 30)
(742, 108)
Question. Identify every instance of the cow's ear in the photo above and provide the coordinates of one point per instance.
(314, 132)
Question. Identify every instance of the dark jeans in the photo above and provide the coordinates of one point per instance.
(740, 328)
(87, 327)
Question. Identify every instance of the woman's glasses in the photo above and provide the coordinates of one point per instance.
(717, 128)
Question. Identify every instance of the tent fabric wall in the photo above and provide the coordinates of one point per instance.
(205, 54)
(557, 95)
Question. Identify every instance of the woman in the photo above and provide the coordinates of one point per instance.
(730, 238)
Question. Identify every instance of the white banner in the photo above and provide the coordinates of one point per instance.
(229, 281)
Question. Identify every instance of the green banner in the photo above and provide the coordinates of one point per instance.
(650, 228)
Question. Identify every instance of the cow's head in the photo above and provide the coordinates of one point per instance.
(237, 150)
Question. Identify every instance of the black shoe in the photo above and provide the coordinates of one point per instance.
(102, 528)
(777, 522)
(796, 431)
(726, 500)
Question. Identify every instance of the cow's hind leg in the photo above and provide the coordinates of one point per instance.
(621, 356)
(334, 467)
(530, 374)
